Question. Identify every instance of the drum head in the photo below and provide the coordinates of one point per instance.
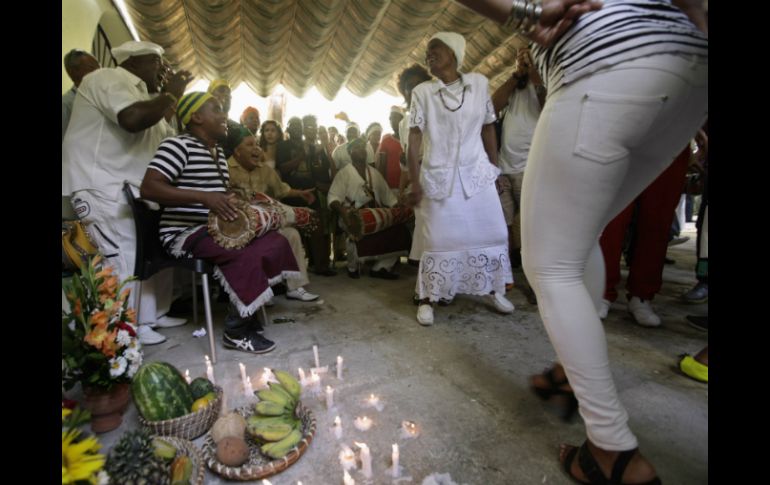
(237, 233)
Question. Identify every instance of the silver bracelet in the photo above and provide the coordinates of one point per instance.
(524, 16)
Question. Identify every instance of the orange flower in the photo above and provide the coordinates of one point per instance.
(124, 295)
(131, 315)
(106, 271)
(110, 344)
(97, 336)
(77, 308)
(99, 320)
(108, 288)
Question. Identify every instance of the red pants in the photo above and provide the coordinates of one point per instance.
(655, 214)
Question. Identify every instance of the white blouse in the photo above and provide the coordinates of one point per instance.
(453, 142)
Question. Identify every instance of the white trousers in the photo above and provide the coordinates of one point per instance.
(295, 241)
(111, 226)
(599, 142)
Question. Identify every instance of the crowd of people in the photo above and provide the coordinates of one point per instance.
(595, 111)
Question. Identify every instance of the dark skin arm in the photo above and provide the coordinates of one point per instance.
(156, 187)
(489, 139)
(144, 114)
(694, 10)
(413, 159)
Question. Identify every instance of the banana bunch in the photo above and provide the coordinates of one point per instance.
(274, 424)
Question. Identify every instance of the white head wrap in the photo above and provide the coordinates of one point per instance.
(135, 48)
(454, 41)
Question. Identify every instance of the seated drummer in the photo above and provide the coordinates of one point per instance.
(357, 186)
(249, 172)
(188, 177)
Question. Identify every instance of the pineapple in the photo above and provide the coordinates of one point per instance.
(132, 461)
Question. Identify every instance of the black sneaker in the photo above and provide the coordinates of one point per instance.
(254, 343)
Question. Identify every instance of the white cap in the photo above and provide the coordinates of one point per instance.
(454, 41)
(135, 48)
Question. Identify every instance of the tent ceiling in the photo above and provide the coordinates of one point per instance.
(362, 45)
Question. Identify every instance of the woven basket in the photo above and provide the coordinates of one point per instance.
(187, 447)
(189, 426)
(260, 466)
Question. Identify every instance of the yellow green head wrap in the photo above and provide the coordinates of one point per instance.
(189, 104)
(218, 82)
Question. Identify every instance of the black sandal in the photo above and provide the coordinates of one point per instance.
(591, 469)
(555, 389)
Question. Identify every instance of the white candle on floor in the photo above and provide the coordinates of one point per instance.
(248, 390)
(347, 479)
(366, 459)
(339, 367)
(302, 380)
(362, 424)
(187, 376)
(338, 427)
(315, 354)
(329, 397)
(209, 370)
(347, 458)
(394, 458)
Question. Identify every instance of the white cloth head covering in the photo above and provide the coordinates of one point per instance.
(454, 41)
(135, 48)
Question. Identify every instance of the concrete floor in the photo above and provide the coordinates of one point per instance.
(464, 381)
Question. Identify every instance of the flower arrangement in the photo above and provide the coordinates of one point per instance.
(99, 343)
(80, 461)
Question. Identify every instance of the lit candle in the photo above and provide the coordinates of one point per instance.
(338, 427)
(209, 370)
(247, 389)
(329, 397)
(266, 377)
(302, 379)
(409, 429)
(315, 354)
(373, 402)
(315, 382)
(362, 424)
(266, 482)
(339, 367)
(366, 459)
(187, 376)
(347, 479)
(394, 458)
(347, 458)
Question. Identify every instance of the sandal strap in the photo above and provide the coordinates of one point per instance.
(620, 465)
(589, 466)
(552, 381)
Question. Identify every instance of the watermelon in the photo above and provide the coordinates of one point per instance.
(161, 392)
(200, 386)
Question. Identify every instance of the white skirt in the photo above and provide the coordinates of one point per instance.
(462, 245)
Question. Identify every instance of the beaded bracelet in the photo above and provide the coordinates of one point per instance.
(524, 16)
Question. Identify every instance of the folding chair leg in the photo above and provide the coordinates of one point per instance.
(209, 322)
(195, 300)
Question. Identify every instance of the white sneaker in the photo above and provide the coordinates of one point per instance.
(425, 314)
(500, 303)
(148, 336)
(643, 313)
(167, 322)
(604, 308)
(301, 294)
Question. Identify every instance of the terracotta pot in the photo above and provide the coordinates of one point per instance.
(106, 407)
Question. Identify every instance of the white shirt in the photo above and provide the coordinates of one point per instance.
(453, 138)
(519, 123)
(350, 189)
(342, 158)
(97, 154)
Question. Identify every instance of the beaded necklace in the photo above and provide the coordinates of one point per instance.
(441, 95)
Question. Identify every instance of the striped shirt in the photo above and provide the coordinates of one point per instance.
(187, 164)
(621, 30)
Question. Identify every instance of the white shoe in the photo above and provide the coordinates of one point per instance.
(425, 314)
(301, 294)
(148, 336)
(500, 303)
(643, 313)
(167, 322)
(604, 308)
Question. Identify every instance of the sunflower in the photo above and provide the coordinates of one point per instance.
(79, 460)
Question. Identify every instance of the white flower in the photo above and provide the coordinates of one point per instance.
(134, 367)
(118, 366)
(124, 338)
(132, 353)
(103, 478)
(71, 325)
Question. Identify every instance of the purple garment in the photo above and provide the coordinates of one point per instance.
(247, 273)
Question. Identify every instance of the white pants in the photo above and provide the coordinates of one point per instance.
(295, 241)
(111, 226)
(599, 142)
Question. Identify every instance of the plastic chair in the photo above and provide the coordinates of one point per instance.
(151, 257)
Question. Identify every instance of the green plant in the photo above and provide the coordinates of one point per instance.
(99, 343)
